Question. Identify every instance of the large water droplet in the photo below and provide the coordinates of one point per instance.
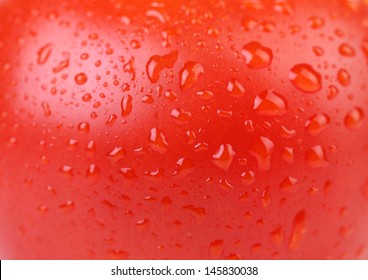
(256, 55)
(216, 249)
(305, 78)
(157, 63)
(190, 74)
(235, 88)
(81, 79)
(317, 123)
(315, 157)
(298, 230)
(224, 156)
(261, 148)
(126, 105)
(157, 141)
(354, 118)
(269, 103)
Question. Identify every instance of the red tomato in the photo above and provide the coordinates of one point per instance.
(183, 129)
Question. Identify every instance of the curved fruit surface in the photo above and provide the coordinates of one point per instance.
(183, 129)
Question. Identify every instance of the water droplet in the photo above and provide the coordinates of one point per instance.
(126, 105)
(249, 126)
(157, 63)
(283, 7)
(169, 94)
(190, 74)
(235, 88)
(317, 123)
(64, 63)
(198, 213)
(43, 209)
(346, 50)
(256, 55)
(233, 256)
(81, 79)
(93, 173)
(118, 255)
(225, 185)
(318, 51)
(261, 148)
(128, 173)
(269, 103)
(266, 197)
(66, 171)
(143, 224)
(216, 249)
(116, 154)
(86, 97)
(185, 166)
(191, 137)
(248, 178)
(135, 44)
(72, 144)
(157, 141)
(46, 108)
(248, 23)
(298, 230)
(44, 53)
(224, 156)
(316, 22)
(91, 148)
(224, 113)
(277, 237)
(181, 116)
(256, 248)
(305, 78)
(148, 99)
(343, 77)
(156, 175)
(315, 157)
(200, 147)
(332, 93)
(287, 133)
(111, 120)
(83, 128)
(205, 94)
(287, 154)
(289, 184)
(67, 206)
(354, 118)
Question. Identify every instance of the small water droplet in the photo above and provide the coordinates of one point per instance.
(346, 50)
(248, 178)
(249, 23)
(317, 123)
(111, 120)
(343, 77)
(286, 132)
(332, 92)
(169, 94)
(44, 53)
(155, 175)
(181, 116)
(216, 249)
(200, 147)
(315, 157)
(256, 55)
(157, 141)
(191, 137)
(67, 206)
(277, 236)
(91, 148)
(46, 108)
(225, 185)
(305, 78)
(287, 154)
(198, 213)
(233, 256)
(205, 94)
(261, 148)
(224, 113)
(157, 63)
(128, 173)
(92, 173)
(256, 248)
(354, 118)
(143, 224)
(126, 105)
(64, 63)
(190, 74)
(185, 166)
(224, 156)
(118, 255)
(66, 171)
(266, 197)
(298, 231)
(235, 88)
(318, 51)
(270, 103)
(116, 154)
(289, 184)
(86, 97)
(249, 126)
(316, 22)
(83, 128)
(81, 79)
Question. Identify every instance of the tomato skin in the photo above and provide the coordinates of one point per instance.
(183, 131)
